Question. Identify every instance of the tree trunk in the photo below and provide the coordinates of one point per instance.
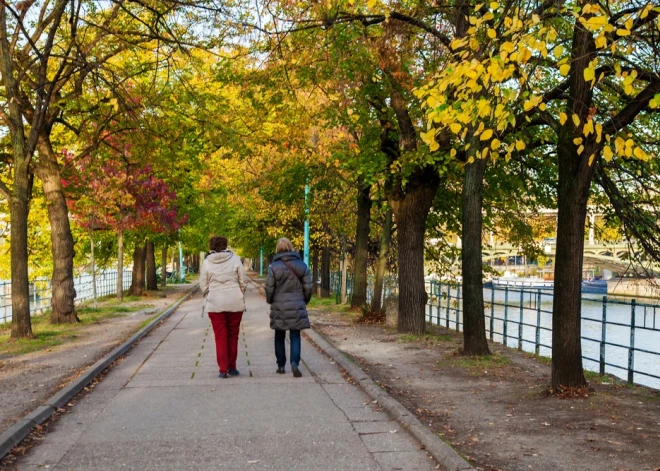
(152, 281)
(91, 245)
(381, 267)
(120, 266)
(411, 210)
(18, 197)
(343, 292)
(21, 324)
(575, 174)
(163, 270)
(315, 272)
(62, 246)
(325, 272)
(572, 199)
(474, 323)
(177, 264)
(360, 280)
(138, 281)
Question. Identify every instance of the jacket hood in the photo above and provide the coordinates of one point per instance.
(220, 257)
(287, 256)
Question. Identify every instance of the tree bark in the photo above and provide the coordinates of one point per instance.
(343, 291)
(62, 246)
(21, 324)
(18, 196)
(411, 210)
(315, 272)
(575, 174)
(325, 272)
(474, 323)
(120, 266)
(138, 281)
(567, 369)
(360, 280)
(381, 266)
(91, 245)
(163, 270)
(152, 281)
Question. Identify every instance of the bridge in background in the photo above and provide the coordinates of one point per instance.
(614, 257)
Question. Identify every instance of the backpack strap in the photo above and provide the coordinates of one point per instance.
(293, 271)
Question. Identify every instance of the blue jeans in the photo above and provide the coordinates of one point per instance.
(280, 349)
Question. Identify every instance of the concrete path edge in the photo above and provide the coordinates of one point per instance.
(21, 429)
(441, 451)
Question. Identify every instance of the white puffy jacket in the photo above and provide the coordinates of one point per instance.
(223, 281)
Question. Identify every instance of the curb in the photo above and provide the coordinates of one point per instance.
(443, 453)
(21, 429)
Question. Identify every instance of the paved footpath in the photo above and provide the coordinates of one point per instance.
(163, 407)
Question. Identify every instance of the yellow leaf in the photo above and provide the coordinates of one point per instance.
(494, 5)
(434, 146)
(576, 120)
(455, 128)
(520, 145)
(486, 134)
(580, 150)
(595, 22)
(591, 159)
(495, 144)
(507, 46)
(622, 32)
(562, 118)
(558, 51)
(428, 137)
(492, 34)
(607, 153)
(452, 152)
(470, 160)
(639, 153)
(601, 41)
(599, 133)
(577, 141)
(564, 69)
(589, 74)
(484, 152)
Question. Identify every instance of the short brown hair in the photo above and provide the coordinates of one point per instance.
(283, 245)
(218, 243)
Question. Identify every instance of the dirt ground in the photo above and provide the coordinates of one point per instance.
(498, 412)
(26, 381)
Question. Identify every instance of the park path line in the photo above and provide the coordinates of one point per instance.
(163, 407)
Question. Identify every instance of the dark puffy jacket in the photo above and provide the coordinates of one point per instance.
(287, 296)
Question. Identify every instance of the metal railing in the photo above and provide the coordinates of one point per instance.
(41, 291)
(621, 337)
(390, 286)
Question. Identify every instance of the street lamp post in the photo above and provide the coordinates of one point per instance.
(261, 261)
(306, 241)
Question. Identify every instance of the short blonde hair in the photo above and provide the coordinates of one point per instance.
(283, 245)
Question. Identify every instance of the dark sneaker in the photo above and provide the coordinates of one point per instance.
(233, 372)
(222, 375)
(296, 372)
(280, 370)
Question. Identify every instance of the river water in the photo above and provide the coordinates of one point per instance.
(507, 307)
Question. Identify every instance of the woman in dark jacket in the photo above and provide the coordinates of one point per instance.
(288, 290)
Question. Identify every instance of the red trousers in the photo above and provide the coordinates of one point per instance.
(226, 327)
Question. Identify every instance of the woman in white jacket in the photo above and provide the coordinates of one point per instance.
(223, 281)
